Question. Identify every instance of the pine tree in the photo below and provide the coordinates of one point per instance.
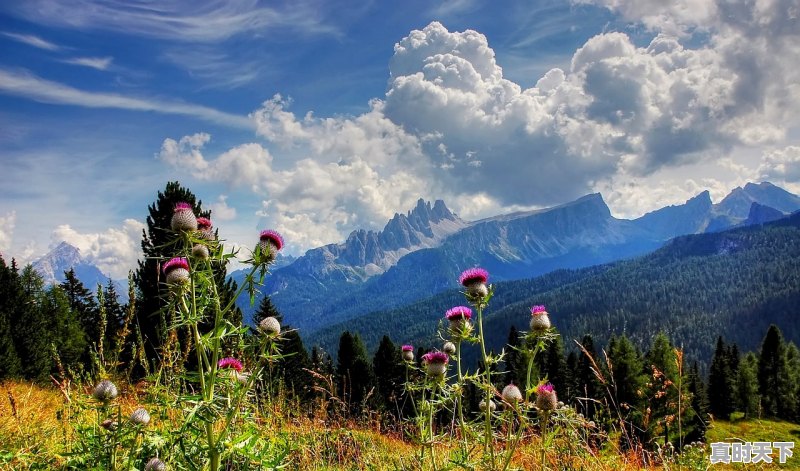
(553, 365)
(720, 382)
(628, 381)
(389, 373)
(158, 245)
(10, 364)
(772, 374)
(793, 383)
(698, 422)
(68, 336)
(266, 309)
(292, 368)
(34, 327)
(747, 397)
(354, 371)
(83, 304)
(115, 316)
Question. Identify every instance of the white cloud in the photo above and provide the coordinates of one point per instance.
(98, 63)
(210, 21)
(7, 225)
(114, 251)
(28, 85)
(221, 211)
(781, 165)
(32, 40)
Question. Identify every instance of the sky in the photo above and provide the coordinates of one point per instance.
(316, 118)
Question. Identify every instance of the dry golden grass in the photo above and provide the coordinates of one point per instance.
(34, 428)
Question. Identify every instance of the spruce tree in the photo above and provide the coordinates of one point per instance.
(628, 381)
(35, 328)
(292, 368)
(720, 382)
(772, 374)
(747, 397)
(516, 363)
(698, 422)
(354, 371)
(661, 390)
(552, 364)
(84, 306)
(68, 336)
(389, 373)
(793, 384)
(10, 364)
(159, 244)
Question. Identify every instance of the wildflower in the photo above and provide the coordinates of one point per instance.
(230, 362)
(140, 416)
(204, 227)
(200, 251)
(155, 464)
(105, 391)
(512, 394)
(407, 352)
(546, 397)
(482, 406)
(449, 348)
(270, 326)
(435, 363)
(540, 321)
(177, 271)
(270, 243)
(474, 279)
(183, 218)
(459, 318)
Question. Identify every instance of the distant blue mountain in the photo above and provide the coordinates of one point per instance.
(64, 257)
(422, 252)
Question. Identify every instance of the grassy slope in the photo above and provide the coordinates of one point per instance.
(31, 433)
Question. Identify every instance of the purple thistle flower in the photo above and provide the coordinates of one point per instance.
(177, 262)
(183, 218)
(538, 309)
(407, 348)
(546, 397)
(435, 363)
(540, 320)
(407, 352)
(230, 363)
(183, 206)
(272, 236)
(203, 224)
(473, 275)
(435, 357)
(458, 313)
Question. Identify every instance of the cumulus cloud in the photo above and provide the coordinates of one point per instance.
(221, 211)
(781, 165)
(114, 251)
(7, 224)
(452, 126)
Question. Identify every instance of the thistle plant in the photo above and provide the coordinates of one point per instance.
(216, 414)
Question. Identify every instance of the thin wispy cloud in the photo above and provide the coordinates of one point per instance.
(177, 20)
(32, 40)
(214, 67)
(99, 63)
(28, 85)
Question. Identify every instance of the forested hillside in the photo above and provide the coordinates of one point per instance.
(697, 287)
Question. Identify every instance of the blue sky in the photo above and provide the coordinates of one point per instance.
(316, 118)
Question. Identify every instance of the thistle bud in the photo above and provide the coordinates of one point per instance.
(546, 397)
(449, 348)
(482, 406)
(177, 271)
(204, 228)
(408, 353)
(200, 252)
(155, 464)
(183, 218)
(140, 416)
(435, 363)
(270, 326)
(512, 394)
(270, 242)
(105, 391)
(540, 321)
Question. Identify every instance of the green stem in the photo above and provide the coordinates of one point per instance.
(487, 428)
(545, 420)
(460, 398)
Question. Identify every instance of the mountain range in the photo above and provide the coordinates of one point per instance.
(421, 253)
